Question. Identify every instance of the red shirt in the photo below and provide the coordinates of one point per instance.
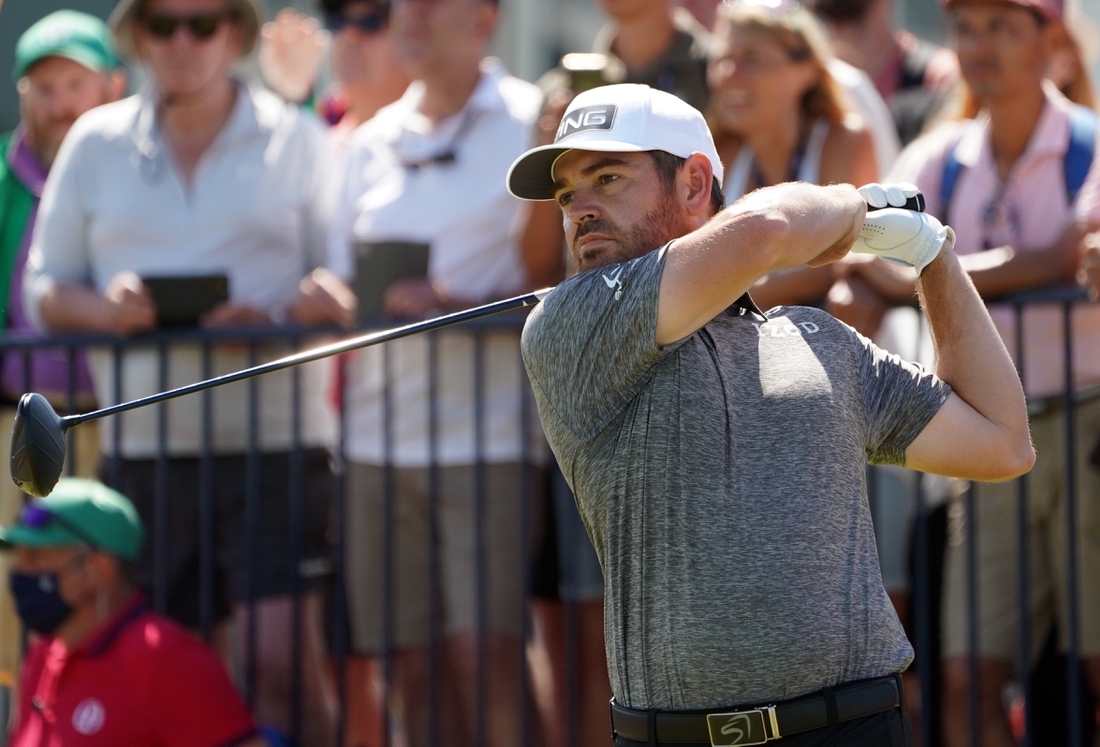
(139, 680)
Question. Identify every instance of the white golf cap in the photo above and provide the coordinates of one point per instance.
(624, 118)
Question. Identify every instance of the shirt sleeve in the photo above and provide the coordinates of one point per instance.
(194, 704)
(348, 188)
(320, 196)
(59, 249)
(900, 398)
(591, 345)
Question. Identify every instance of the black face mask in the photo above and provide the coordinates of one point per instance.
(38, 601)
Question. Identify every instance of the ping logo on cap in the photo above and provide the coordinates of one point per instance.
(586, 118)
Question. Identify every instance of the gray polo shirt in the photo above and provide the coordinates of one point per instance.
(722, 481)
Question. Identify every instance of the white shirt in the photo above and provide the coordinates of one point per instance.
(464, 212)
(258, 209)
(870, 106)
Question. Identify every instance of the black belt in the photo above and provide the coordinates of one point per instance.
(748, 726)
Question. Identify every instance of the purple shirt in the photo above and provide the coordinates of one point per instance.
(49, 368)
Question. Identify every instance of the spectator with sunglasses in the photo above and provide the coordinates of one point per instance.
(365, 67)
(1010, 175)
(200, 174)
(102, 669)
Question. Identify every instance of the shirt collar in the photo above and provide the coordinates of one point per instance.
(415, 138)
(486, 97)
(106, 634)
(1050, 137)
(24, 162)
(746, 303)
(244, 121)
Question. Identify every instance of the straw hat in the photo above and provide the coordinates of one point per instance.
(248, 13)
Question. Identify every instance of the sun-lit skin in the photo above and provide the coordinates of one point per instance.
(434, 34)
(358, 57)
(614, 207)
(1002, 48)
(182, 66)
(755, 82)
(53, 93)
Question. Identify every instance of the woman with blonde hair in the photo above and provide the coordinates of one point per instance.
(777, 115)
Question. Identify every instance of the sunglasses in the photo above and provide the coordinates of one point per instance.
(368, 24)
(201, 26)
(36, 516)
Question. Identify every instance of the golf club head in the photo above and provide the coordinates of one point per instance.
(37, 446)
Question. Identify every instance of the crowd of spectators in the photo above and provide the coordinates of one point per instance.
(376, 152)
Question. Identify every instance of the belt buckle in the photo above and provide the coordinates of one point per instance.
(742, 728)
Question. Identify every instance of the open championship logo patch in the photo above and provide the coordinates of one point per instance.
(89, 716)
(586, 118)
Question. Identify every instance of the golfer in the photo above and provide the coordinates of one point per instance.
(717, 452)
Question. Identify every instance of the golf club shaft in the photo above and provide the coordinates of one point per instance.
(307, 356)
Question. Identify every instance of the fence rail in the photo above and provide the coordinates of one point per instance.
(486, 356)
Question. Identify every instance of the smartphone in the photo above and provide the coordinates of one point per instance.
(588, 70)
(182, 299)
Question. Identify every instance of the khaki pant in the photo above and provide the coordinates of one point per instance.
(457, 571)
(84, 446)
(998, 542)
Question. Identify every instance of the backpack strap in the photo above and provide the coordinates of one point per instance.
(1082, 144)
(951, 171)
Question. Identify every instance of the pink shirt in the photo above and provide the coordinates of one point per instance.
(1028, 211)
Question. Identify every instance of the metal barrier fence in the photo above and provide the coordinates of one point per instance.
(534, 512)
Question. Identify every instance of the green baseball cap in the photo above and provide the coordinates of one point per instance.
(79, 511)
(80, 37)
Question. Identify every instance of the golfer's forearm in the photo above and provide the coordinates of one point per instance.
(771, 229)
(71, 307)
(815, 220)
(970, 355)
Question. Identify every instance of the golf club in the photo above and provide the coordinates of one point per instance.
(38, 433)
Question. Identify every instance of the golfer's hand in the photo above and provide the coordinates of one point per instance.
(896, 234)
(414, 298)
(227, 315)
(1088, 273)
(130, 308)
(323, 299)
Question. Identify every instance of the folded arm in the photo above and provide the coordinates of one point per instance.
(772, 229)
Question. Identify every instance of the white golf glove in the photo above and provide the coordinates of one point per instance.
(895, 233)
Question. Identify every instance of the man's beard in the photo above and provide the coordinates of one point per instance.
(45, 137)
(660, 226)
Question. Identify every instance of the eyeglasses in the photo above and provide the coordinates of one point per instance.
(36, 516)
(201, 26)
(371, 23)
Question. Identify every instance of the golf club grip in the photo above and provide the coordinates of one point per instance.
(325, 351)
(916, 202)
